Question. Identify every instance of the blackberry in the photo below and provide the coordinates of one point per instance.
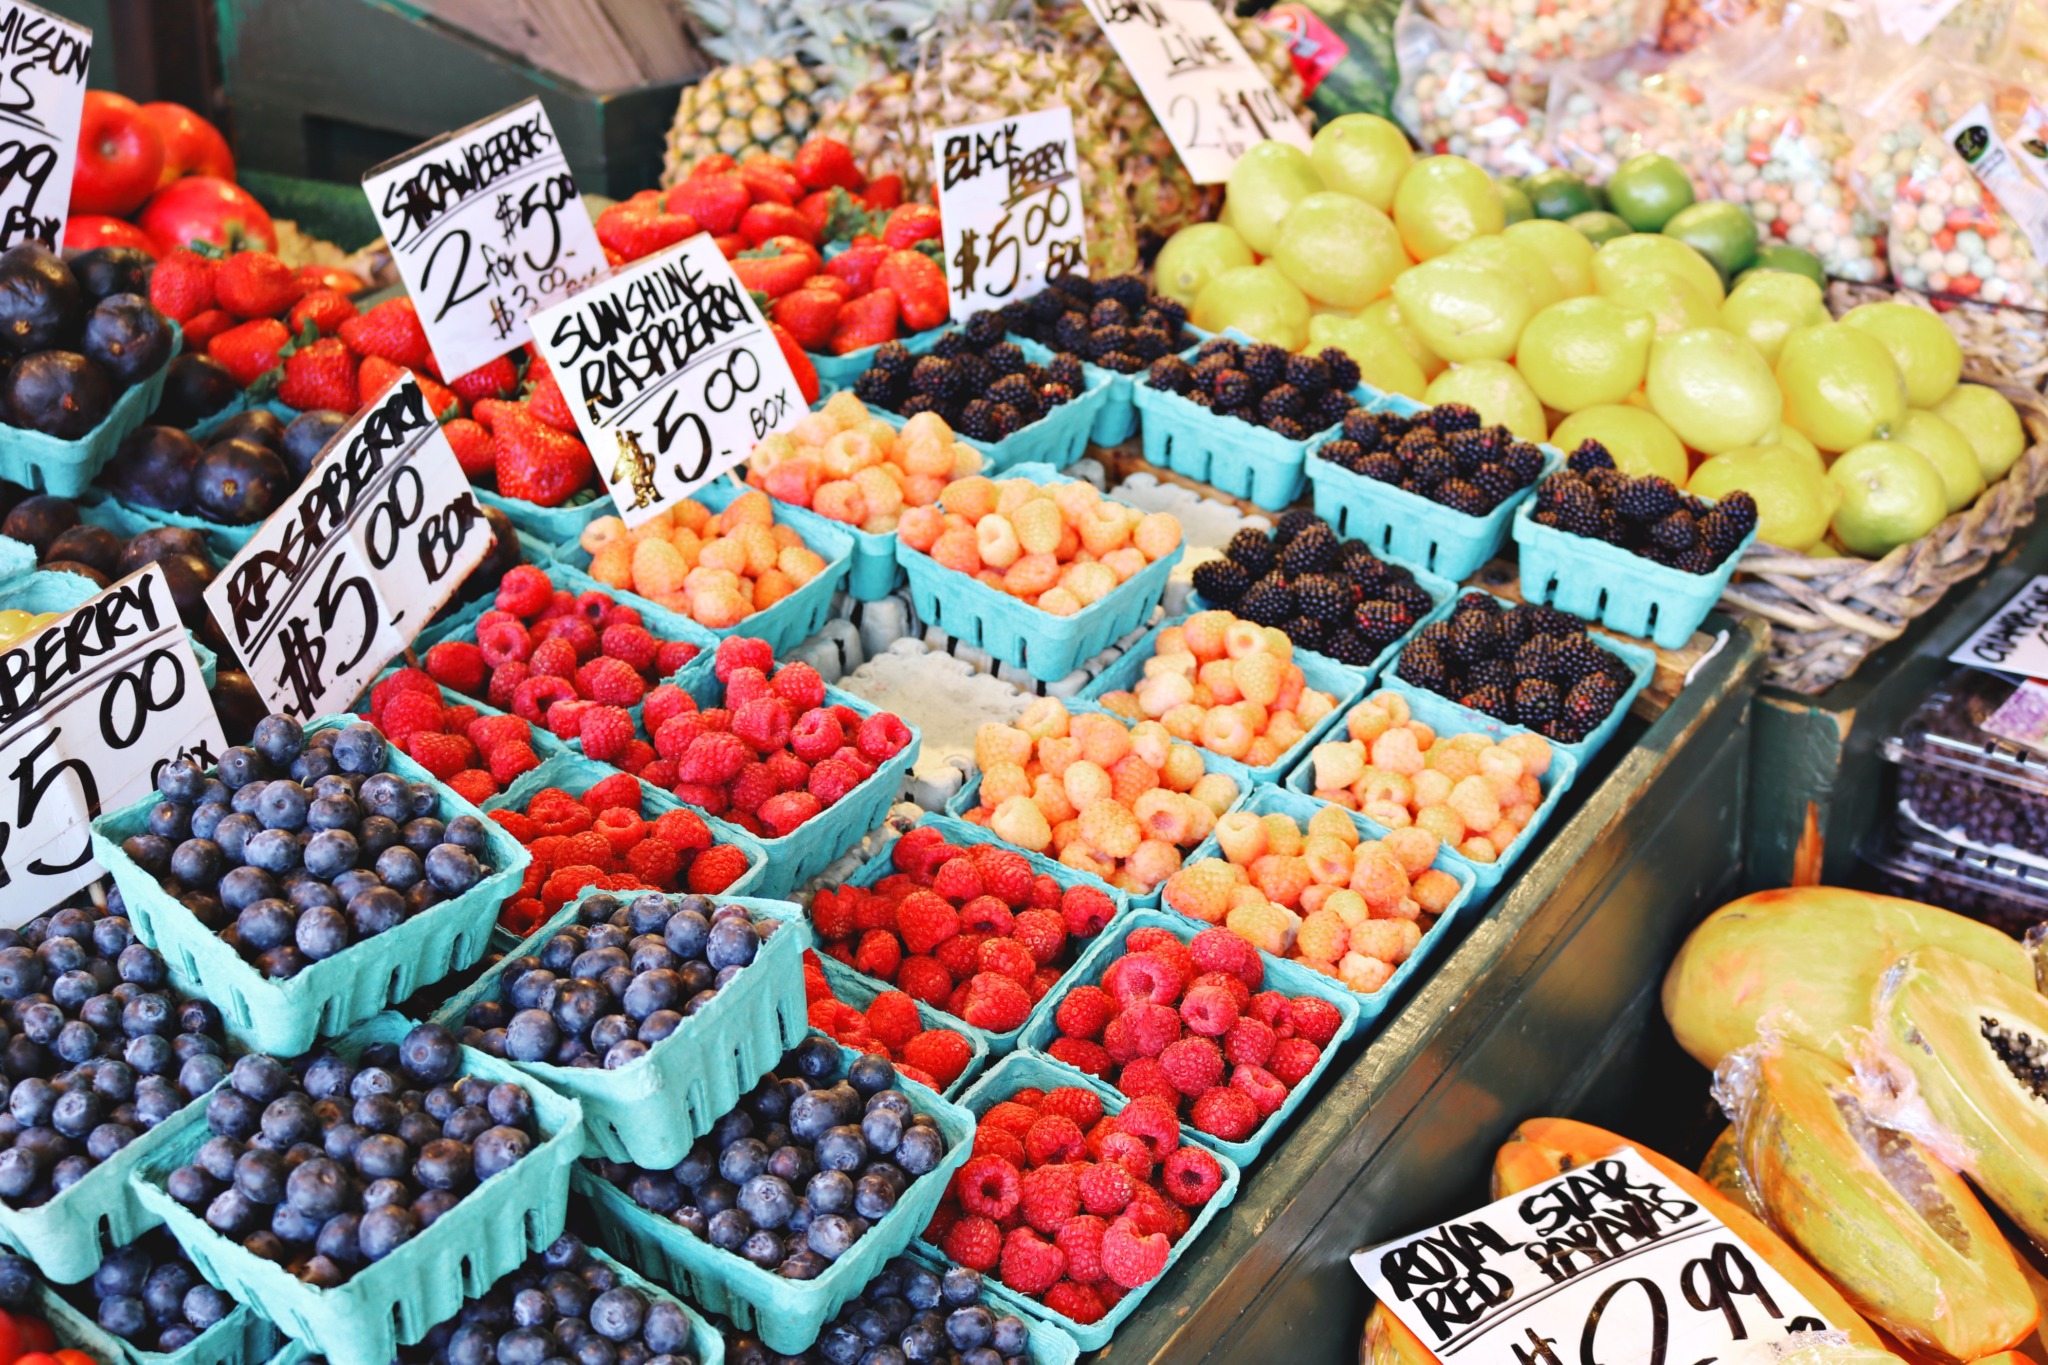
(916, 403)
(1649, 498)
(1699, 560)
(1111, 339)
(1473, 637)
(950, 344)
(1422, 663)
(1462, 495)
(1720, 533)
(1491, 700)
(1740, 507)
(1309, 551)
(895, 358)
(1064, 369)
(1123, 362)
(1293, 523)
(1536, 659)
(1254, 551)
(1221, 582)
(1342, 453)
(1577, 508)
(1051, 395)
(932, 376)
(983, 329)
(1591, 699)
(1306, 632)
(1469, 448)
(1005, 357)
(1288, 428)
(1072, 333)
(1495, 482)
(1491, 673)
(1550, 621)
(1579, 658)
(1267, 602)
(1514, 632)
(1222, 347)
(1231, 388)
(1676, 533)
(1478, 604)
(1170, 374)
(1328, 409)
(1589, 456)
(1350, 647)
(1451, 418)
(1199, 398)
(1382, 466)
(1342, 369)
(1150, 343)
(1172, 312)
(1524, 462)
(1363, 427)
(877, 386)
(1129, 290)
(1006, 420)
(1266, 364)
(1409, 594)
(972, 376)
(1437, 633)
(1415, 440)
(1361, 566)
(1107, 313)
(1282, 401)
(1321, 597)
(1381, 623)
(1430, 464)
(1046, 305)
(1308, 373)
(1013, 389)
(977, 420)
(1536, 702)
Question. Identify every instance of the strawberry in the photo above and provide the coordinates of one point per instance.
(538, 464)
(325, 308)
(831, 284)
(201, 328)
(816, 207)
(869, 320)
(638, 230)
(441, 401)
(800, 365)
(390, 331)
(772, 179)
(489, 412)
(763, 221)
(494, 379)
(911, 224)
(341, 281)
(808, 315)
(718, 163)
(920, 285)
(774, 272)
(374, 375)
(545, 401)
(182, 285)
(472, 445)
(857, 266)
(883, 192)
(256, 284)
(824, 162)
(322, 375)
(714, 201)
(729, 244)
(250, 349)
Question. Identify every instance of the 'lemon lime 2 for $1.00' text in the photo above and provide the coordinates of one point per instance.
(672, 373)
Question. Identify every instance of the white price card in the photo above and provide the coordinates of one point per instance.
(1213, 101)
(338, 581)
(672, 374)
(487, 228)
(42, 95)
(1610, 1262)
(1010, 202)
(2015, 639)
(92, 706)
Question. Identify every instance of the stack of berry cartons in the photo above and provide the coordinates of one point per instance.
(200, 878)
(1243, 415)
(1234, 1039)
(1484, 788)
(489, 1184)
(1012, 401)
(866, 1016)
(683, 1002)
(868, 1157)
(63, 1203)
(723, 558)
(963, 925)
(146, 1303)
(1635, 553)
(1119, 803)
(1432, 488)
(999, 565)
(585, 825)
(1312, 883)
(1117, 327)
(1098, 1190)
(1330, 596)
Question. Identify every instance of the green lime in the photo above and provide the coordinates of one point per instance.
(1598, 225)
(1721, 231)
(1515, 204)
(1648, 189)
(1793, 260)
(1557, 194)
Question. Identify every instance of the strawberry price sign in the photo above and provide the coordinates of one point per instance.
(46, 59)
(339, 580)
(487, 228)
(672, 374)
(1010, 207)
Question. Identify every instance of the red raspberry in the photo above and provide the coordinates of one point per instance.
(1314, 1019)
(563, 603)
(1144, 1076)
(716, 868)
(974, 1242)
(710, 800)
(1152, 1121)
(743, 685)
(1072, 1102)
(564, 720)
(1164, 943)
(1006, 876)
(1249, 1042)
(532, 698)
(763, 723)
(986, 915)
(1270, 1007)
(784, 811)
(1209, 1010)
(738, 651)
(833, 780)
(1051, 1194)
(957, 880)
(1144, 1028)
(1293, 1059)
(923, 979)
(995, 1003)
(1054, 1137)
(654, 863)
(940, 1051)
(713, 759)
(442, 755)
(605, 732)
(505, 642)
(892, 1017)
(505, 681)
(1007, 957)
(1085, 910)
(879, 955)
(488, 732)
(1144, 976)
(621, 828)
(672, 655)
(1042, 933)
(1219, 950)
(683, 829)
(663, 703)
(753, 786)
(1084, 1056)
(1030, 1264)
(853, 759)
(1225, 1113)
(816, 736)
(580, 635)
(678, 733)
(1130, 1259)
(1193, 1065)
(473, 785)
(457, 664)
(1084, 1012)
(402, 680)
(925, 921)
(659, 772)
(1074, 1302)
(611, 680)
(630, 643)
(1105, 1188)
(832, 917)
(552, 658)
(799, 685)
(1228, 984)
(989, 1186)
(525, 592)
(1191, 1177)
(1129, 1151)
(509, 760)
(907, 853)
(616, 790)
(882, 736)
(1045, 893)
(995, 1142)
(792, 774)
(1262, 1085)
(410, 712)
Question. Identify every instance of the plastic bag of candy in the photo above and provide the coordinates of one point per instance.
(1688, 23)
(1523, 40)
(1602, 113)
(1451, 103)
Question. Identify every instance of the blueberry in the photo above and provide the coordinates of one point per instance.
(242, 887)
(422, 834)
(175, 1338)
(499, 1149)
(618, 1314)
(292, 1225)
(376, 910)
(73, 989)
(658, 1025)
(840, 1345)
(232, 834)
(181, 780)
(330, 853)
(374, 1078)
(767, 1200)
(307, 893)
(279, 738)
(743, 1160)
(729, 1229)
(289, 1119)
(432, 1204)
(732, 943)
(609, 1032)
(688, 933)
(243, 802)
(383, 1156)
(830, 1192)
(384, 1230)
(266, 924)
(361, 748)
(260, 1175)
(1010, 1337)
(832, 1235)
(445, 1164)
(191, 1187)
(376, 1113)
(531, 1036)
(275, 851)
(201, 1073)
(919, 1343)
(123, 1315)
(328, 1076)
(379, 1193)
(425, 800)
(970, 1326)
(375, 834)
(241, 765)
(842, 1148)
(387, 796)
(231, 1114)
(205, 1306)
(312, 765)
(163, 1293)
(874, 1196)
(169, 820)
(321, 932)
(883, 1130)
(231, 1213)
(400, 868)
(665, 1328)
(206, 819)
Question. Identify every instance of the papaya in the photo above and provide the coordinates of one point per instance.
(1565, 1144)
(1808, 959)
(1722, 1168)
(1899, 1233)
(1976, 1045)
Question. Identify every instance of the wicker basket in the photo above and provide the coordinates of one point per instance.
(2002, 346)
(1827, 614)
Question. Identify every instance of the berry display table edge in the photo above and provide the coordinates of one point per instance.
(1544, 1003)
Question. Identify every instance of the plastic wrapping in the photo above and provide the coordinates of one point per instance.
(1688, 23)
(1960, 783)
(1904, 859)
(1523, 40)
(1805, 1348)
(1600, 114)
(1452, 103)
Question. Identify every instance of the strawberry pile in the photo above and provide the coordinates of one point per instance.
(571, 662)
(603, 838)
(1187, 1023)
(968, 930)
(1070, 1204)
(477, 755)
(888, 1027)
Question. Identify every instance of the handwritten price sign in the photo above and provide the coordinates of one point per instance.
(1203, 88)
(1607, 1263)
(1011, 207)
(43, 63)
(341, 578)
(672, 373)
(92, 706)
(487, 228)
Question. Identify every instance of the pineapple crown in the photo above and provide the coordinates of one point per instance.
(847, 44)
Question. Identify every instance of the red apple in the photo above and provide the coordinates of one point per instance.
(205, 208)
(192, 146)
(120, 156)
(84, 231)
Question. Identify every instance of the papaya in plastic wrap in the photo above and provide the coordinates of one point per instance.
(1722, 1168)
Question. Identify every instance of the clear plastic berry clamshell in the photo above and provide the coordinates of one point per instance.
(1902, 859)
(1962, 784)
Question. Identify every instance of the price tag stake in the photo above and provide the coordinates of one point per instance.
(1011, 206)
(41, 99)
